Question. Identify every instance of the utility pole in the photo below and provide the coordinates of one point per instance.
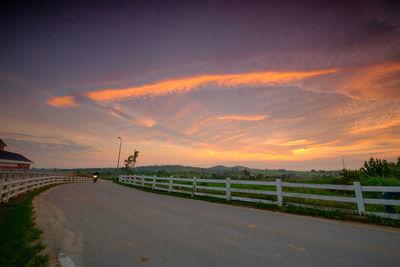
(119, 153)
(344, 167)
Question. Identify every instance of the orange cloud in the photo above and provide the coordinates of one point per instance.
(283, 121)
(117, 112)
(332, 149)
(197, 127)
(189, 84)
(297, 143)
(195, 83)
(230, 138)
(244, 118)
(374, 127)
(379, 81)
(223, 134)
(63, 101)
(147, 123)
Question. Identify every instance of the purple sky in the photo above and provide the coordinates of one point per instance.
(266, 84)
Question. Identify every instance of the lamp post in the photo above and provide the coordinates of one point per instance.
(119, 153)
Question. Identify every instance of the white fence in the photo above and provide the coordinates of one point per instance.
(13, 184)
(221, 188)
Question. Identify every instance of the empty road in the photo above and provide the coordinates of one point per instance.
(105, 224)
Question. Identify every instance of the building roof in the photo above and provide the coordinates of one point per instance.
(2, 143)
(5, 155)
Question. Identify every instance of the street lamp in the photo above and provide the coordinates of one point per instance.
(119, 153)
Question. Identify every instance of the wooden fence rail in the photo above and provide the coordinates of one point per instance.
(279, 190)
(13, 184)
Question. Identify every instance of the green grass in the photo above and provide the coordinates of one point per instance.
(339, 215)
(19, 237)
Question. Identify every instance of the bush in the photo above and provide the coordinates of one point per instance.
(380, 168)
(350, 176)
(374, 172)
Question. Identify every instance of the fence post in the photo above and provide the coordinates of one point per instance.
(279, 191)
(142, 180)
(134, 179)
(194, 186)
(31, 183)
(3, 179)
(154, 180)
(170, 183)
(9, 189)
(16, 187)
(2, 187)
(228, 189)
(359, 197)
(25, 185)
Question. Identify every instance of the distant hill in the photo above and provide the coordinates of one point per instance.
(216, 172)
(223, 168)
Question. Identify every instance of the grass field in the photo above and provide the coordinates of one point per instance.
(19, 238)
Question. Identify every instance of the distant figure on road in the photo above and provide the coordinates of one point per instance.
(95, 177)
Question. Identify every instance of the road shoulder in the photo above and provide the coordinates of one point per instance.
(57, 237)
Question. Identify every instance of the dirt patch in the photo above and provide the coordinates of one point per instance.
(57, 237)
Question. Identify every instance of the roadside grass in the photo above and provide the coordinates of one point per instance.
(19, 237)
(330, 214)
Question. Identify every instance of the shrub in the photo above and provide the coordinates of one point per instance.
(380, 168)
(349, 176)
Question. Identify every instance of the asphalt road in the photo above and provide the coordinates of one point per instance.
(115, 225)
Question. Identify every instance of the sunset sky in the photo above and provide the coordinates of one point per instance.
(264, 84)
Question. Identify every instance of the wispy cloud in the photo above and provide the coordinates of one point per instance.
(192, 84)
(378, 81)
(244, 118)
(297, 143)
(63, 101)
(360, 128)
(355, 148)
(119, 113)
(373, 81)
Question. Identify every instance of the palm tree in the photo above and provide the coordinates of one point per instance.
(134, 158)
(129, 161)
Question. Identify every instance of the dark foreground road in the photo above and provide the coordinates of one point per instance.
(110, 225)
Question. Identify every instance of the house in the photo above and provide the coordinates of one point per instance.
(10, 160)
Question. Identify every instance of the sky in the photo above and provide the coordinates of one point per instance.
(263, 84)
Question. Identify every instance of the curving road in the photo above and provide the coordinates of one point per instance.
(105, 224)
